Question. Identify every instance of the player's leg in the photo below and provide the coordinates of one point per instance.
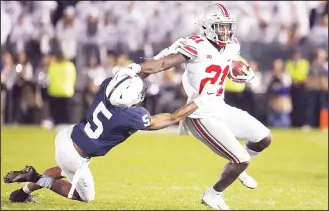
(54, 172)
(70, 161)
(247, 128)
(85, 186)
(215, 134)
(24, 194)
(29, 174)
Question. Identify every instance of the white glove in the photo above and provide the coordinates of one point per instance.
(130, 70)
(249, 74)
(170, 50)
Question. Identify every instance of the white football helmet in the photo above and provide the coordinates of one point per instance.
(126, 91)
(217, 24)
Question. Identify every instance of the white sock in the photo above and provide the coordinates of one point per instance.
(214, 192)
(250, 152)
(26, 190)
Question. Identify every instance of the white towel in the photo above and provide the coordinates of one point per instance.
(182, 128)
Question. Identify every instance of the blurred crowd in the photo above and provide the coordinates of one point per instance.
(55, 54)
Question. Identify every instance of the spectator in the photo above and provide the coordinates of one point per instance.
(6, 26)
(90, 30)
(122, 60)
(43, 35)
(90, 36)
(21, 88)
(42, 8)
(13, 9)
(170, 96)
(318, 37)
(67, 33)
(42, 81)
(298, 68)
(83, 8)
(28, 8)
(21, 33)
(132, 32)
(254, 97)
(300, 24)
(318, 9)
(157, 33)
(95, 76)
(316, 89)
(182, 24)
(62, 78)
(279, 97)
(110, 33)
(8, 79)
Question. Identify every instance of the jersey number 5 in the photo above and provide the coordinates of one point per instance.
(99, 109)
(220, 75)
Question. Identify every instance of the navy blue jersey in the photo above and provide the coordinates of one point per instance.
(106, 126)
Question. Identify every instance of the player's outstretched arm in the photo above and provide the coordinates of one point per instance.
(163, 120)
(165, 63)
(153, 66)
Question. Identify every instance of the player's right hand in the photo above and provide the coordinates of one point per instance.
(130, 70)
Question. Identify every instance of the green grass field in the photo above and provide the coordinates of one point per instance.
(160, 171)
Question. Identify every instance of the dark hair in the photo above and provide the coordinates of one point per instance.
(59, 55)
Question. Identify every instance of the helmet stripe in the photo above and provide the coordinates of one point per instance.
(226, 13)
(116, 86)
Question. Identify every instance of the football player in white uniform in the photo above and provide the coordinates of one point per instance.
(207, 57)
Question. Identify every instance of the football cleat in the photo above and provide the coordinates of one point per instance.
(247, 180)
(28, 174)
(19, 196)
(214, 200)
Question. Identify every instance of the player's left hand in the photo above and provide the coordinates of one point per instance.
(249, 75)
(130, 70)
(170, 50)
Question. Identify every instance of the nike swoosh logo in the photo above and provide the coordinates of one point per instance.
(210, 93)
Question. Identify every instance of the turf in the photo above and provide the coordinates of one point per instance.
(161, 171)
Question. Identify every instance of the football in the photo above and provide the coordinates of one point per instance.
(237, 67)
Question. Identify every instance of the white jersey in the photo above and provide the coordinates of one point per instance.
(206, 63)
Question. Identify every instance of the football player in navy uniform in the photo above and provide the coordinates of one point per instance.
(111, 119)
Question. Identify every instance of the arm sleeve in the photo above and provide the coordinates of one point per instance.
(140, 118)
(189, 48)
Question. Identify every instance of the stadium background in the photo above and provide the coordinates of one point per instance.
(285, 42)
